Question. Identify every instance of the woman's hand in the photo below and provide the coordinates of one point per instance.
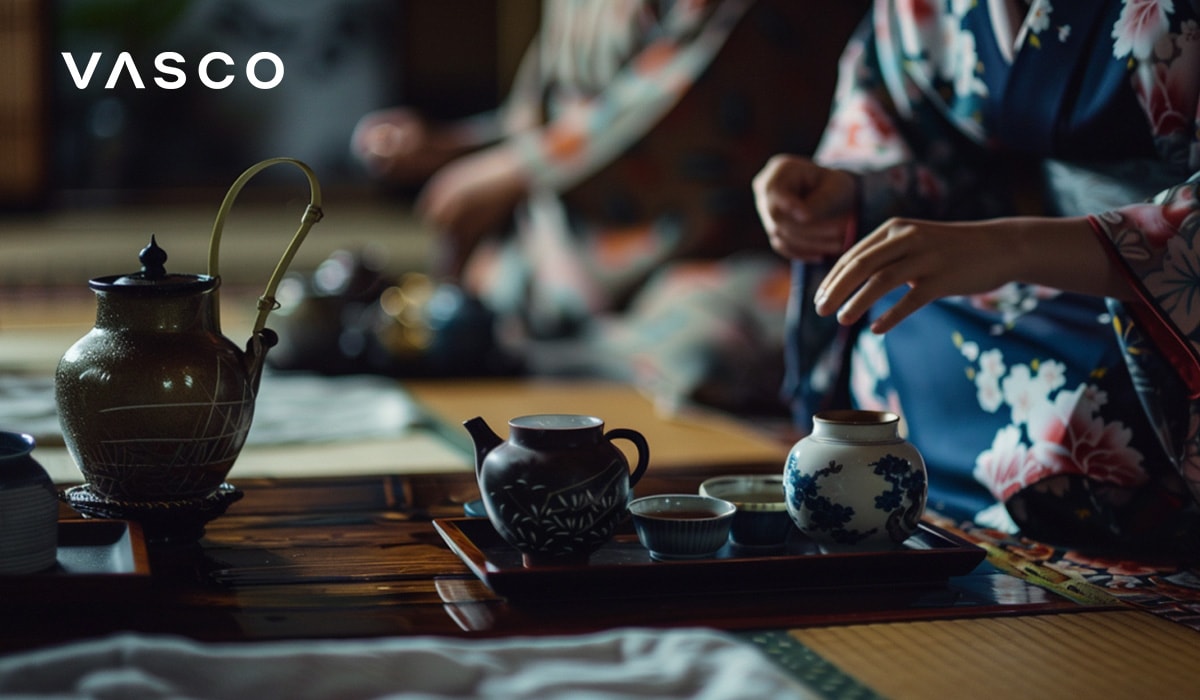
(472, 196)
(937, 259)
(806, 209)
(399, 144)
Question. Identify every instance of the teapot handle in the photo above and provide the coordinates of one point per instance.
(312, 214)
(643, 450)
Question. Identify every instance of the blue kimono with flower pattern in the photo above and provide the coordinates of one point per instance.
(1074, 419)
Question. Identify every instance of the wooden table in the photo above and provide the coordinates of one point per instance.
(359, 557)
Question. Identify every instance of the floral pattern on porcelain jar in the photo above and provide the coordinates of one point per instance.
(854, 483)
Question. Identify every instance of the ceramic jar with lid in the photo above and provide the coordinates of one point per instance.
(854, 483)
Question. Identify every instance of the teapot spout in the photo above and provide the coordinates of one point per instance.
(255, 357)
(485, 440)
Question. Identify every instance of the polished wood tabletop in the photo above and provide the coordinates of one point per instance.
(361, 557)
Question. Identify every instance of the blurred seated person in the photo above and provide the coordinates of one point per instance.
(603, 214)
(997, 240)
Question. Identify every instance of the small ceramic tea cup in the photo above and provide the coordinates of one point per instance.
(762, 519)
(683, 525)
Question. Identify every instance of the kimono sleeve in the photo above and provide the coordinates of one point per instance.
(588, 132)
(1156, 244)
(912, 156)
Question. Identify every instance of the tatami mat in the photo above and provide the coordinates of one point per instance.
(1116, 654)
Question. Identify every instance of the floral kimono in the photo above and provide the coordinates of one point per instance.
(639, 124)
(1071, 418)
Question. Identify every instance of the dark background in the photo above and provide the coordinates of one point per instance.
(60, 144)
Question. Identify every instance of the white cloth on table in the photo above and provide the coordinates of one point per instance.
(626, 663)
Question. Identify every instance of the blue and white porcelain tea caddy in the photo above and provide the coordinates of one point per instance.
(854, 483)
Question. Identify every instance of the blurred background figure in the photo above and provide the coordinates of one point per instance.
(603, 217)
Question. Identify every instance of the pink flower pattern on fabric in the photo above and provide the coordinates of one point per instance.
(1008, 466)
(1066, 435)
(1139, 26)
(1069, 437)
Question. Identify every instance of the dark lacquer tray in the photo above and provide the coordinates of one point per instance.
(623, 568)
(95, 558)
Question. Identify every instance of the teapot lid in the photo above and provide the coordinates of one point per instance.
(153, 278)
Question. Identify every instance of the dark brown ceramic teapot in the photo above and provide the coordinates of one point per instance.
(154, 402)
(558, 488)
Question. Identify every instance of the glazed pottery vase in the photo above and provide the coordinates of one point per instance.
(557, 489)
(854, 483)
(28, 509)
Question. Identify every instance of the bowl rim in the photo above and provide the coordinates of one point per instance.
(749, 480)
(724, 508)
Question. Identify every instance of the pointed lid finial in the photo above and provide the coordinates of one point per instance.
(153, 277)
(152, 258)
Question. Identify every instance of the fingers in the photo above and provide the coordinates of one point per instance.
(474, 194)
(393, 143)
(382, 141)
(784, 185)
(913, 300)
(371, 128)
(444, 203)
(803, 207)
(457, 223)
(807, 242)
(772, 186)
(777, 207)
(886, 259)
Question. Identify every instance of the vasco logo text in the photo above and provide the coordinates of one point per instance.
(170, 73)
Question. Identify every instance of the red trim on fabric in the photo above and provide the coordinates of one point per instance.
(1159, 328)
